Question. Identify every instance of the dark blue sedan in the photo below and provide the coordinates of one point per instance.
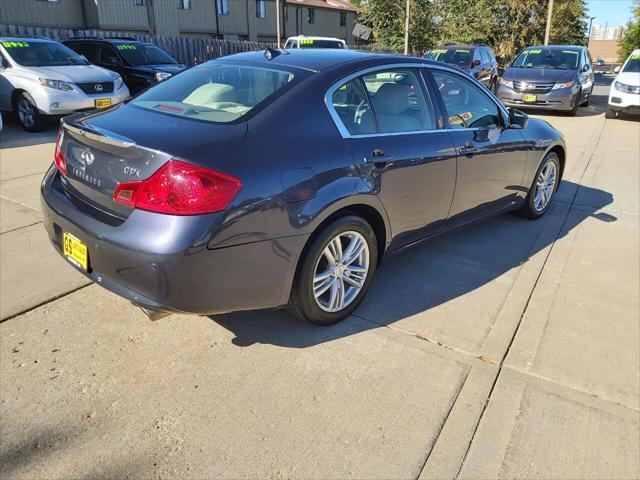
(284, 177)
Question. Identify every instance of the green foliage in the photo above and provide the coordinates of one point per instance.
(506, 25)
(631, 39)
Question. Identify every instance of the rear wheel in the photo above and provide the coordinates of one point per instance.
(544, 187)
(28, 114)
(336, 271)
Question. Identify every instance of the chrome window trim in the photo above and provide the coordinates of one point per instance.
(328, 100)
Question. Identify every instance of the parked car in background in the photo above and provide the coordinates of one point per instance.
(478, 60)
(303, 41)
(42, 79)
(186, 198)
(140, 64)
(624, 95)
(600, 62)
(554, 77)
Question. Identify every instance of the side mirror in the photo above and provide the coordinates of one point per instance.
(476, 63)
(113, 61)
(518, 119)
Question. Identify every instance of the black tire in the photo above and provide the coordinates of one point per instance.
(303, 302)
(36, 121)
(574, 110)
(586, 101)
(611, 113)
(528, 209)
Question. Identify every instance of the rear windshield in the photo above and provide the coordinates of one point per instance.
(459, 56)
(217, 93)
(548, 58)
(312, 43)
(633, 64)
(42, 54)
(143, 54)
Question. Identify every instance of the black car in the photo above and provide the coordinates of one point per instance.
(215, 209)
(140, 64)
(478, 60)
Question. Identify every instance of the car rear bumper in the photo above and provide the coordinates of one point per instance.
(162, 262)
(562, 99)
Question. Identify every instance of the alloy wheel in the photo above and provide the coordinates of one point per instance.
(545, 186)
(26, 113)
(341, 271)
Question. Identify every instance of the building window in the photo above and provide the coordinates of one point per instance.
(222, 7)
(261, 9)
(184, 4)
(138, 2)
(343, 19)
(311, 15)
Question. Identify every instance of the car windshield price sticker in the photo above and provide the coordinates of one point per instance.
(126, 47)
(15, 44)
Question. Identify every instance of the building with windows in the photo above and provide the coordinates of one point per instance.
(600, 32)
(253, 20)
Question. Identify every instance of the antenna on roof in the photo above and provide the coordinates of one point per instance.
(271, 53)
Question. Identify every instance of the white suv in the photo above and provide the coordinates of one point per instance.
(624, 95)
(42, 78)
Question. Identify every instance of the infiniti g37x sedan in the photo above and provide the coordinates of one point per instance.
(283, 178)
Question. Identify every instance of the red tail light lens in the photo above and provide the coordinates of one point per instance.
(179, 188)
(61, 163)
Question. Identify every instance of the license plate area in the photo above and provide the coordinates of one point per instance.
(529, 98)
(102, 102)
(75, 250)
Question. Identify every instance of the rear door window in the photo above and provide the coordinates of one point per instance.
(468, 106)
(88, 49)
(352, 106)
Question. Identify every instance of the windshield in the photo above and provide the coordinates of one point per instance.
(313, 43)
(633, 64)
(460, 57)
(42, 54)
(217, 93)
(548, 58)
(143, 54)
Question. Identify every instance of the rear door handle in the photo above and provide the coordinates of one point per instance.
(379, 159)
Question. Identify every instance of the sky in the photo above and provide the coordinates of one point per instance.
(615, 12)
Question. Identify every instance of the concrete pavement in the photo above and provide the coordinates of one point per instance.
(509, 349)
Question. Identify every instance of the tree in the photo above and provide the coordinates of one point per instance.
(568, 25)
(631, 38)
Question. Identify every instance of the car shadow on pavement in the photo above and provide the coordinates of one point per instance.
(12, 134)
(431, 274)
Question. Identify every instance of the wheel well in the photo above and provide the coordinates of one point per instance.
(14, 96)
(368, 213)
(561, 155)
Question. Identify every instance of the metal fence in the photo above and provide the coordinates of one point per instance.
(187, 50)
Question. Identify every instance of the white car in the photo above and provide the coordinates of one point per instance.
(302, 41)
(624, 96)
(41, 79)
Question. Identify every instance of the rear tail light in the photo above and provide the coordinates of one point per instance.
(61, 163)
(179, 188)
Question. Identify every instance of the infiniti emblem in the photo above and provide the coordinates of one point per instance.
(87, 157)
(98, 87)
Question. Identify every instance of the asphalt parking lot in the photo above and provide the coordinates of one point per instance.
(509, 349)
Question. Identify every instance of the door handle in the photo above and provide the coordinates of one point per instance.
(379, 159)
(469, 149)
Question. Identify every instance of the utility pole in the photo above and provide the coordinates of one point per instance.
(277, 23)
(151, 17)
(548, 30)
(589, 31)
(406, 30)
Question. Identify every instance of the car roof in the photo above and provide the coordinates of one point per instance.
(318, 59)
(27, 39)
(558, 47)
(470, 47)
(108, 40)
(312, 37)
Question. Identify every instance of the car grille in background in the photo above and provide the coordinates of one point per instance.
(532, 87)
(96, 88)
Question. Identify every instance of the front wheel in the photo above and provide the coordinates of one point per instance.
(28, 114)
(574, 110)
(544, 187)
(336, 271)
